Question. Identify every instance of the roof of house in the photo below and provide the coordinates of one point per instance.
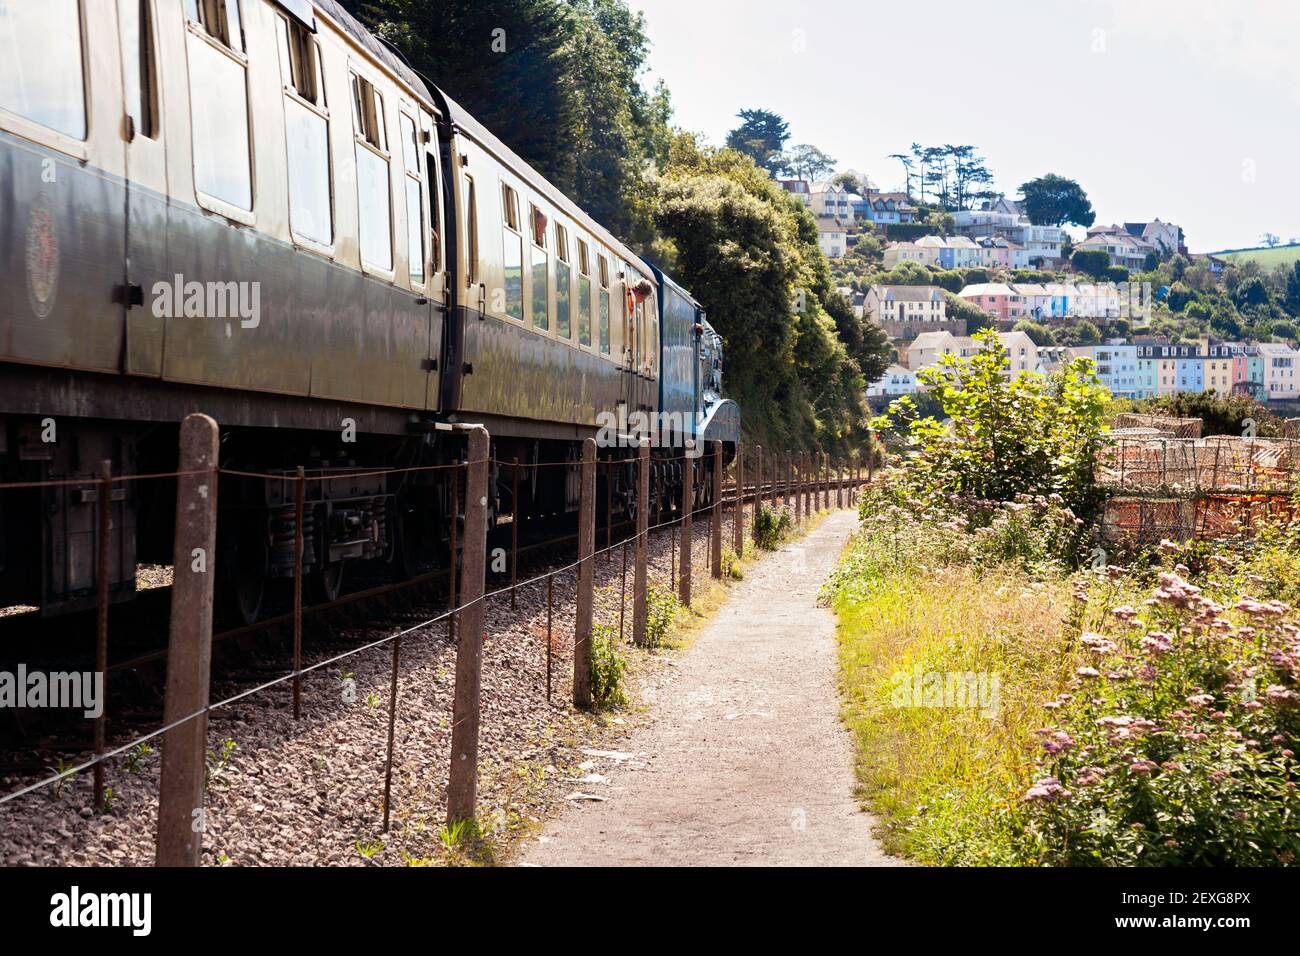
(830, 224)
(909, 293)
(1030, 288)
(987, 288)
(931, 340)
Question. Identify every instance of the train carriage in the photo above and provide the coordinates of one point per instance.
(254, 209)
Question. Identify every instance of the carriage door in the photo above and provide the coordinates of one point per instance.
(439, 283)
(631, 393)
(146, 189)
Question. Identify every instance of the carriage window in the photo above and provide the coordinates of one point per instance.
(510, 207)
(303, 60)
(373, 189)
(219, 107)
(471, 233)
(435, 214)
(311, 211)
(514, 253)
(584, 294)
(32, 37)
(220, 19)
(604, 306)
(140, 81)
(563, 281)
(414, 201)
(368, 113)
(541, 276)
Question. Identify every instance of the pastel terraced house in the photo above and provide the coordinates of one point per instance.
(996, 299)
(1280, 363)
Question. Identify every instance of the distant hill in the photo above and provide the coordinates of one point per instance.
(1266, 257)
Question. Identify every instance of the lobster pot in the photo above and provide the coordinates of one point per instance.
(1142, 521)
(1171, 427)
(1237, 516)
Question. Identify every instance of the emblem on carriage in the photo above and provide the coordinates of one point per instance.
(42, 257)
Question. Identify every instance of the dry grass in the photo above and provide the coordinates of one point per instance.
(938, 775)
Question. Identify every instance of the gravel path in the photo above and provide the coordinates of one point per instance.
(745, 761)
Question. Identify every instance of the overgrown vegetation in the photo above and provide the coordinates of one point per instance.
(608, 670)
(1002, 435)
(1011, 708)
(771, 526)
(662, 607)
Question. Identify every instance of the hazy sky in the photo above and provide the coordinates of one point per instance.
(1188, 110)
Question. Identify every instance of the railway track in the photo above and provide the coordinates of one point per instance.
(251, 654)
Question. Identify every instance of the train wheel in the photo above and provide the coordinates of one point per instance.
(244, 567)
(412, 549)
(327, 583)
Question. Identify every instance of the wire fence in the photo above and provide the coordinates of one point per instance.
(710, 497)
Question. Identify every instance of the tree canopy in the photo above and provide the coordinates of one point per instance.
(1053, 200)
(761, 136)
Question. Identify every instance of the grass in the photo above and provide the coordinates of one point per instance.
(1266, 257)
(938, 777)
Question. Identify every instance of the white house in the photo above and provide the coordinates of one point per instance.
(832, 201)
(905, 303)
(897, 380)
(833, 236)
(1280, 363)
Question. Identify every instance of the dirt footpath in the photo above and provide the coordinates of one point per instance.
(745, 762)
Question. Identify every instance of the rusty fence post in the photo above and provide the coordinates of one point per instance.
(642, 532)
(717, 510)
(758, 489)
(189, 648)
(738, 512)
(586, 547)
(797, 465)
(688, 518)
(392, 729)
(455, 547)
(789, 478)
(299, 538)
(804, 485)
(462, 784)
(514, 533)
(105, 502)
(839, 486)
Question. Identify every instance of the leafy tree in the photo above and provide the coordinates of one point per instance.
(805, 162)
(761, 136)
(1251, 291)
(1005, 435)
(1271, 239)
(1093, 262)
(961, 309)
(1038, 333)
(1291, 297)
(557, 80)
(1053, 200)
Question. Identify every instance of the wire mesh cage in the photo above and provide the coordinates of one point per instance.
(1167, 425)
(1180, 466)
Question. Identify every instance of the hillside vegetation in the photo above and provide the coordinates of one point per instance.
(560, 81)
(1019, 696)
(1268, 258)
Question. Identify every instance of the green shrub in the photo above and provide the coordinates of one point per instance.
(1175, 745)
(608, 670)
(771, 526)
(662, 605)
(731, 565)
(1005, 434)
